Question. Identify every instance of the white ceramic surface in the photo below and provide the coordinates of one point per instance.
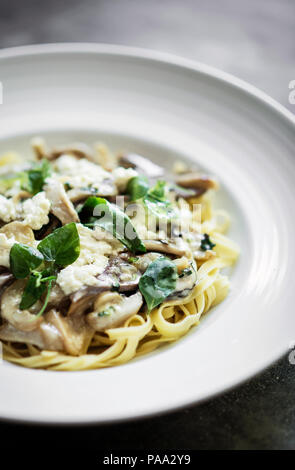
(165, 108)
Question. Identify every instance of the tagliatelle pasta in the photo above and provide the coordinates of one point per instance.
(183, 298)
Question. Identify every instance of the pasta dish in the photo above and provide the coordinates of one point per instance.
(104, 257)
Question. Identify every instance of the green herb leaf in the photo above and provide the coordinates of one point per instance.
(62, 246)
(157, 204)
(24, 259)
(107, 312)
(158, 191)
(49, 287)
(206, 243)
(133, 259)
(32, 292)
(98, 211)
(137, 187)
(35, 177)
(158, 281)
(185, 272)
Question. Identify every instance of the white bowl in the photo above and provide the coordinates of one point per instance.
(166, 108)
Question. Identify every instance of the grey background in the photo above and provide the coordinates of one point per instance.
(255, 41)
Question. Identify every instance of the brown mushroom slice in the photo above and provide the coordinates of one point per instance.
(198, 181)
(47, 229)
(76, 149)
(84, 298)
(112, 309)
(21, 196)
(75, 332)
(166, 246)
(185, 283)
(40, 148)
(185, 193)
(61, 205)
(142, 262)
(121, 274)
(24, 320)
(21, 232)
(142, 164)
(5, 277)
(46, 336)
(107, 188)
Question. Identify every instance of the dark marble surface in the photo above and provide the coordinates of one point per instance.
(255, 41)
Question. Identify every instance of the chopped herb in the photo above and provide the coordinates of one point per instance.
(107, 312)
(31, 180)
(115, 286)
(137, 187)
(153, 199)
(68, 186)
(133, 259)
(89, 189)
(158, 281)
(206, 243)
(98, 211)
(157, 204)
(35, 177)
(185, 272)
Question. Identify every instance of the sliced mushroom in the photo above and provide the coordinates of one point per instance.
(185, 283)
(77, 149)
(21, 196)
(112, 309)
(83, 299)
(166, 246)
(24, 320)
(61, 205)
(120, 274)
(185, 193)
(21, 232)
(45, 336)
(198, 181)
(107, 188)
(144, 165)
(39, 146)
(142, 262)
(53, 224)
(76, 334)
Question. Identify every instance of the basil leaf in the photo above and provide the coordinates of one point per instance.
(157, 204)
(62, 246)
(158, 191)
(137, 187)
(35, 177)
(32, 292)
(23, 259)
(206, 243)
(98, 211)
(158, 281)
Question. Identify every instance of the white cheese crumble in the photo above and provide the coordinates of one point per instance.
(80, 172)
(34, 212)
(92, 261)
(8, 210)
(5, 247)
(122, 176)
